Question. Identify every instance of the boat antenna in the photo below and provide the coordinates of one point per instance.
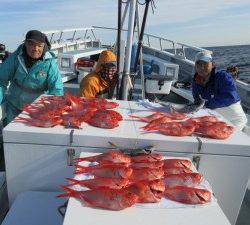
(144, 20)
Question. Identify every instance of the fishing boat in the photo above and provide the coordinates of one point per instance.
(49, 152)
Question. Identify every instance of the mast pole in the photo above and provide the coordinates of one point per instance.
(119, 30)
(126, 81)
(141, 34)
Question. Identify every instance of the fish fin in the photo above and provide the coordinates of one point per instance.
(134, 116)
(139, 117)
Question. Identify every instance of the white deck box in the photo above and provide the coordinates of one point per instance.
(38, 159)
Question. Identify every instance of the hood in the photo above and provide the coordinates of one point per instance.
(106, 56)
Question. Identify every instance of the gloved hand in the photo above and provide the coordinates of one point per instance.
(189, 108)
(192, 107)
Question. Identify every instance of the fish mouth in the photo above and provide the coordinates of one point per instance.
(202, 198)
(157, 193)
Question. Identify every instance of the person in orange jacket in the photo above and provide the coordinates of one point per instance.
(101, 81)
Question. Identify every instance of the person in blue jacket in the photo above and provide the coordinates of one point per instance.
(218, 88)
(27, 73)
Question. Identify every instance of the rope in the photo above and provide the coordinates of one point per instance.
(153, 5)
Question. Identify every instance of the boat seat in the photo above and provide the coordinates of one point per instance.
(35, 208)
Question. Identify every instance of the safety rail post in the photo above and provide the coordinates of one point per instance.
(174, 48)
(148, 41)
(51, 38)
(160, 40)
(93, 33)
(183, 51)
(74, 35)
(60, 38)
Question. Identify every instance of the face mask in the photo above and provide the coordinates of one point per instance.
(108, 73)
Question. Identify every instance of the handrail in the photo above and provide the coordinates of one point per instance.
(67, 30)
(61, 33)
(61, 40)
(175, 45)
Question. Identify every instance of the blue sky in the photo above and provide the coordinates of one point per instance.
(194, 22)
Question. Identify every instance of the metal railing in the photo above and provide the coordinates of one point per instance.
(52, 34)
(175, 48)
(58, 38)
(72, 39)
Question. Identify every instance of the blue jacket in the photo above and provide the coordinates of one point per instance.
(220, 91)
(28, 84)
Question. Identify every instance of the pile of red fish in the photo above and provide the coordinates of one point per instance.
(178, 124)
(71, 111)
(121, 181)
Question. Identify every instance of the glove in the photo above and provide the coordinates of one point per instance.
(191, 108)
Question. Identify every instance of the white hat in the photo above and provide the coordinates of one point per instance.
(205, 56)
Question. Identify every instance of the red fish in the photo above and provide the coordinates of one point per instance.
(105, 121)
(107, 157)
(205, 119)
(97, 183)
(151, 165)
(153, 157)
(188, 195)
(46, 123)
(180, 129)
(177, 116)
(115, 115)
(156, 122)
(70, 121)
(41, 112)
(176, 170)
(148, 191)
(103, 198)
(216, 130)
(108, 171)
(149, 118)
(100, 103)
(169, 163)
(148, 174)
(183, 179)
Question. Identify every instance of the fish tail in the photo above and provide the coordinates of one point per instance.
(21, 119)
(82, 159)
(74, 182)
(70, 192)
(148, 128)
(82, 169)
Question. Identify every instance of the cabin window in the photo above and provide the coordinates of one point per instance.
(65, 63)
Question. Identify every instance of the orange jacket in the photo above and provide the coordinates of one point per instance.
(93, 84)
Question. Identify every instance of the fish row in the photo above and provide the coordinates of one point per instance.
(117, 186)
(177, 124)
(153, 160)
(71, 111)
(142, 192)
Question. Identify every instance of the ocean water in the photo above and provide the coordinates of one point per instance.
(224, 56)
